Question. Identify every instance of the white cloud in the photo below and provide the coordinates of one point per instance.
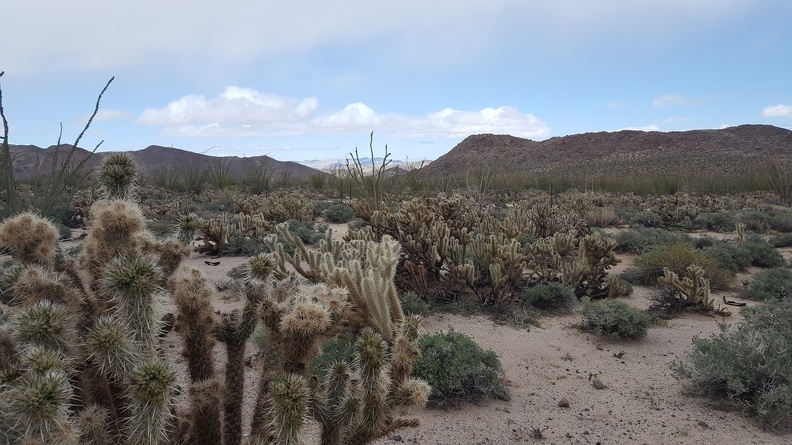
(235, 105)
(126, 33)
(673, 100)
(674, 119)
(243, 112)
(777, 111)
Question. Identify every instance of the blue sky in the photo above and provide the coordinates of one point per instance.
(310, 79)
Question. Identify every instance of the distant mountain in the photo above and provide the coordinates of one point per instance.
(728, 151)
(31, 161)
(339, 163)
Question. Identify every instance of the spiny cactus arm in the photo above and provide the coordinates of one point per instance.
(740, 229)
(372, 363)
(46, 325)
(405, 350)
(37, 403)
(290, 397)
(150, 388)
(131, 282)
(92, 422)
(205, 418)
(118, 177)
(111, 348)
(234, 330)
(194, 321)
(301, 331)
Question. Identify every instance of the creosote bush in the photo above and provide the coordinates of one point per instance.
(458, 369)
(549, 296)
(747, 367)
(769, 285)
(614, 318)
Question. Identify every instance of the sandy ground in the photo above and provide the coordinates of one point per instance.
(642, 403)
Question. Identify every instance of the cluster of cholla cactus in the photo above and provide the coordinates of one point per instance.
(451, 247)
(693, 290)
(81, 354)
(215, 233)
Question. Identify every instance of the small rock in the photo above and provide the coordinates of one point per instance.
(599, 347)
(597, 383)
(703, 424)
(563, 403)
(396, 438)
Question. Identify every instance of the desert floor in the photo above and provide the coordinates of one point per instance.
(642, 402)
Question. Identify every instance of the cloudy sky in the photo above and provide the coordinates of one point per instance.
(311, 79)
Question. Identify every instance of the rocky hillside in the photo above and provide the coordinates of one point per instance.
(729, 151)
(31, 161)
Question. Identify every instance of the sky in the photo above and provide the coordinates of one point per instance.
(310, 79)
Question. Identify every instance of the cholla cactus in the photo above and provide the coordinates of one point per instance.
(693, 289)
(31, 239)
(118, 177)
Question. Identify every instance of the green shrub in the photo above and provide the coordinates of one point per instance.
(64, 232)
(614, 318)
(781, 222)
(677, 257)
(781, 240)
(731, 256)
(717, 221)
(747, 367)
(641, 239)
(458, 369)
(309, 233)
(334, 350)
(413, 304)
(338, 213)
(549, 296)
(160, 228)
(646, 219)
(239, 244)
(764, 255)
(769, 285)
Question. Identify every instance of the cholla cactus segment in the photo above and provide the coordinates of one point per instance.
(35, 283)
(187, 227)
(92, 421)
(413, 393)
(46, 325)
(370, 354)
(111, 348)
(41, 360)
(290, 396)
(694, 288)
(118, 176)
(150, 387)
(38, 403)
(131, 281)
(260, 267)
(195, 321)
(30, 238)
